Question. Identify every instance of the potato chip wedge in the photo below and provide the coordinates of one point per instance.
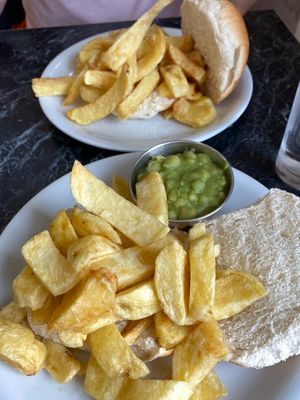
(27, 290)
(143, 89)
(60, 363)
(164, 91)
(98, 44)
(134, 329)
(13, 312)
(196, 57)
(100, 199)
(211, 388)
(86, 223)
(74, 89)
(171, 282)
(49, 265)
(175, 79)
(51, 86)
(153, 57)
(62, 232)
(184, 43)
(137, 302)
(167, 332)
(195, 114)
(120, 185)
(196, 231)
(151, 196)
(149, 254)
(155, 390)
(100, 79)
(100, 386)
(235, 291)
(114, 355)
(90, 94)
(198, 353)
(130, 40)
(84, 304)
(108, 102)
(20, 349)
(202, 277)
(88, 250)
(191, 69)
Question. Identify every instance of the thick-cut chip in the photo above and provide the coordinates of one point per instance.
(198, 353)
(184, 42)
(193, 93)
(89, 249)
(52, 86)
(211, 388)
(85, 303)
(164, 91)
(60, 363)
(191, 69)
(13, 312)
(90, 94)
(107, 103)
(74, 89)
(196, 231)
(27, 290)
(143, 89)
(49, 265)
(127, 265)
(19, 347)
(137, 302)
(202, 277)
(100, 79)
(167, 332)
(100, 199)
(99, 44)
(155, 54)
(167, 114)
(62, 232)
(100, 386)
(195, 114)
(105, 319)
(128, 43)
(86, 224)
(171, 282)
(134, 329)
(235, 291)
(149, 254)
(175, 79)
(155, 390)
(151, 196)
(120, 185)
(114, 355)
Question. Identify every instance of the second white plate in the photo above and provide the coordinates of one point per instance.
(137, 135)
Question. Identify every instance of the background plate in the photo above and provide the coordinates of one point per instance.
(137, 135)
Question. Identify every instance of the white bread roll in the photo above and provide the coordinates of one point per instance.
(220, 35)
(264, 240)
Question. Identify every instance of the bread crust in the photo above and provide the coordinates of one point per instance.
(221, 36)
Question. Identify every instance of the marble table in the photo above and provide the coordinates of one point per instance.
(33, 153)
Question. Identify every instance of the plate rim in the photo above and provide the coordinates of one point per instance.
(74, 133)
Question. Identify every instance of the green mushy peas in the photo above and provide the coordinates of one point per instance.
(194, 183)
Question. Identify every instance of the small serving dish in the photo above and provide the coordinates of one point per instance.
(182, 147)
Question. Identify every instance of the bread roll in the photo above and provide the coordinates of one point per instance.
(220, 35)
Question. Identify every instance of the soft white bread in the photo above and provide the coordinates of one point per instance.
(264, 240)
(220, 35)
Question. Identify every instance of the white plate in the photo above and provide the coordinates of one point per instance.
(137, 135)
(278, 382)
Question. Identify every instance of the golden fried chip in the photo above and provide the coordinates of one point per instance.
(128, 43)
(196, 231)
(100, 79)
(60, 363)
(171, 282)
(196, 57)
(74, 89)
(49, 265)
(184, 42)
(100, 386)
(87, 250)
(164, 91)
(195, 114)
(100, 199)
(20, 349)
(52, 86)
(27, 290)
(13, 312)
(62, 232)
(134, 329)
(235, 291)
(151, 196)
(202, 277)
(211, 388)
(114, 355)
(98, 44)
(90, 94)
(137, 302)
(167, 332)
(86, 223)
(193, 366)
(85, 303)
(120, 185)
(175, 79)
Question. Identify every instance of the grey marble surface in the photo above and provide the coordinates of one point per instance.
(33, 153)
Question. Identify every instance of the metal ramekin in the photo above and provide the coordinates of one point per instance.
(178, 146)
